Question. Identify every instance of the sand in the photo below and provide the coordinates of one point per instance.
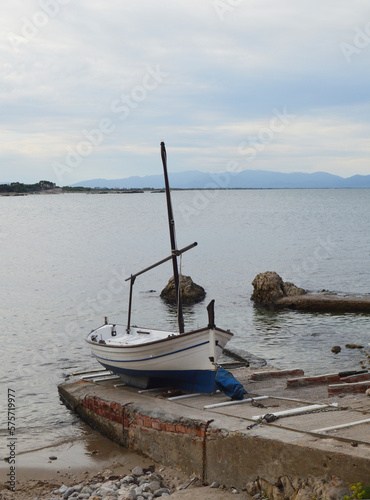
(92, 456)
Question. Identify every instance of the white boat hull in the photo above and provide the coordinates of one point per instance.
(146, 357)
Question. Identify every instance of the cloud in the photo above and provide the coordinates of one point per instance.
(66, 65)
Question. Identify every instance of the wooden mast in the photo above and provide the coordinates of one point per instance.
(174, 251)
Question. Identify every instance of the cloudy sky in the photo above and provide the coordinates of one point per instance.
(89, 88)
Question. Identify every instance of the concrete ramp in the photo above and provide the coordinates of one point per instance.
(314, 434)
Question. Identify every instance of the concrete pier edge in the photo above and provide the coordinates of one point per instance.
(325, 303)
(212, 446)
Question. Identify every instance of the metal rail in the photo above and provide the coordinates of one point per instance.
(133, 277)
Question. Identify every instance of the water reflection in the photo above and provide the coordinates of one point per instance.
(190, 314)
(293, 338)
(60, 283)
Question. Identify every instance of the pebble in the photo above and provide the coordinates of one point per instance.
(128, 479)
(161, 491)
(135, 486)
(68, 492)
(86, 491)
(137, 471)
(154, 485)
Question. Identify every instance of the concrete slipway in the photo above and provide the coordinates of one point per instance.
(215, 443)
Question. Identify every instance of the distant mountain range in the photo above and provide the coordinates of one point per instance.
(246, 179)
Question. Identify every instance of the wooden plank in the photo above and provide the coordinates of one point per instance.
(85, 372)
(102, 379)
(97, 374)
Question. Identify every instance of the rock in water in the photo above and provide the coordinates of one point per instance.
(290, 290)
(190, 291)
(269, 287)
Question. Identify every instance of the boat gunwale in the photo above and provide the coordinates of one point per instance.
(144, 344)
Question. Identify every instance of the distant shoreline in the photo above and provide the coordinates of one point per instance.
(148, 190)
(61, 191)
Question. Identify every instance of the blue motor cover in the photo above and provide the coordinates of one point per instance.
(227, 383)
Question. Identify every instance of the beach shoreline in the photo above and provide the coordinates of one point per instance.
(87, 459)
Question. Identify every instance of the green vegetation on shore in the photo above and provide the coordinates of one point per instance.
(19, 187)
(77, 189)
(45, 186)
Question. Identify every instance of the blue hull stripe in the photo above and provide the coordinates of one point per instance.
(153, 357)
(188, 380)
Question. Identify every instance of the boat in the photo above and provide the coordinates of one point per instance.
(147, 357)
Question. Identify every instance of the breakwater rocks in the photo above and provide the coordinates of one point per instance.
(190, 291)
(271, 291)
(139, 485)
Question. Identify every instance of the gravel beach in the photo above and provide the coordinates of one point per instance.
(106, 471)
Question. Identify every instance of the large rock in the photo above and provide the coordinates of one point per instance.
(269, 287)
(190, 291)
(291, 290)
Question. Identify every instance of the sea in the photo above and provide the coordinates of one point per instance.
(65, 259)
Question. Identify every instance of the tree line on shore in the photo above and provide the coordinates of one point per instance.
(19, 187)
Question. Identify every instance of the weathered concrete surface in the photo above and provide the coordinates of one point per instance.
(216, 444)
(324, 303)
(244, 356)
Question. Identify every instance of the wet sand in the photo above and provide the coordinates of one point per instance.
(81, 460)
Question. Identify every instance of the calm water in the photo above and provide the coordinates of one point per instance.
(64, 260)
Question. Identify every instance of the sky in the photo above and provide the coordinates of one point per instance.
(89, 88)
